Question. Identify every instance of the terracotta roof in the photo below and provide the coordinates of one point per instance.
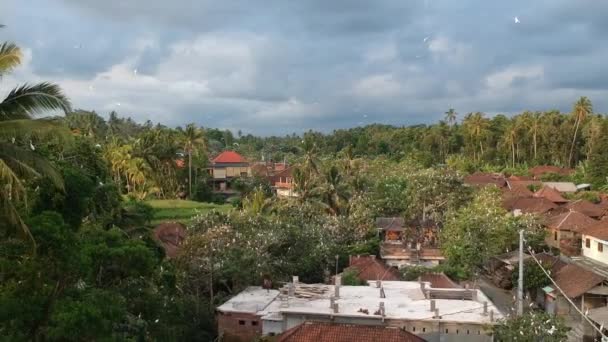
(587, 208)
(530, 205)
(284, 173)
(390, 223)
(550, 194)
(481, 178)
(368, 267)
(520, 178)
(575, 280)
(519, 189)
(229, 157)
(439, 280)
(332, 332)
(571, 220)
(598, 230)
(523, 183)
(543, 169)
(170, 235)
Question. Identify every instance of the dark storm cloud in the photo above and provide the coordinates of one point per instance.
(281, 66)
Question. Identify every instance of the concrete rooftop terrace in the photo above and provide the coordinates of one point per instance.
(403, 300)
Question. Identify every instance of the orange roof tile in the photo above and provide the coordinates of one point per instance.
(587, 208)
(368, 267)
(572, 221)
(598, 230)
(550, 194)
(229, 157)
(332, 332)
(530, 205)
(575, 280)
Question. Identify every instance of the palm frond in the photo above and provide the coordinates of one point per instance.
(28, 100)
(9, 213)
(40, 128)
(10, 57)
(12, 186)
(15, 156)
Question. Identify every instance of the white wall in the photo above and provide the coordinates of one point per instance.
(592, 251)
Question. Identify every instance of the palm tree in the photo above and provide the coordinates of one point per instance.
(582, 108)
(450, 116)
(16, 113)
(510, 139)
(534, 126)
(334, 192)
(476, 125)
(311, 161)
(194, 139)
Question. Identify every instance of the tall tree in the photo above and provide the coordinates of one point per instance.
(582, 109)
(450, 116)
(194, 139)
(476, 125)
(16, 113)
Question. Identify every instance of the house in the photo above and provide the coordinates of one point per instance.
(585, 207)
(483, 179)
(584, 287)
(332, 332)
(282, 183)
(564, 231)
(594, 240)
(433, 314)
(226, 166)
(538, 171)
(368, 267)
(564, 187)
(529, 205)
(551, 194)
(403, 245)
(500, 268)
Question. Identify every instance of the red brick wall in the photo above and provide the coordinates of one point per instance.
(229, 324)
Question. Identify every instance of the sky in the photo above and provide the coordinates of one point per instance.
(275, 67)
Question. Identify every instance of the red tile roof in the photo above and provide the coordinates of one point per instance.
(572, 221)
(550, 194)
(598, 230)
(368, 267)
(331, 332)
(481, 178)
(587, 208)
(530, 205)
(575, 280)
(229, 157)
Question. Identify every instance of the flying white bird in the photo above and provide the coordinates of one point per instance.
(516, 20)
(134, 71)
(425, 39)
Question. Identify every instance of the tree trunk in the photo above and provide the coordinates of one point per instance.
(512, 154)
(573, 142)
(481, 148)
(534, 138)
(211, 284)
(190, 173)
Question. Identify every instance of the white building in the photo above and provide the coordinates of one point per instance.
(595, 242)
(431, 313)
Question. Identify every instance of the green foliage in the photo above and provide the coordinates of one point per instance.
(482, 229)
(534, 277)
(532, 327)
(350, 278)
(598, 160)
(412, 273)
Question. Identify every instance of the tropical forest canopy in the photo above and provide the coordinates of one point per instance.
(78, 260)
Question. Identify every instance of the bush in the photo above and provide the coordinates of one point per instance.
(411, 273)
(350, 277)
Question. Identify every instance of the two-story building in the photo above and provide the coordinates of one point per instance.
(594, 242)
(282, 183)
(564, 231)
(226, 166)
(408, 244)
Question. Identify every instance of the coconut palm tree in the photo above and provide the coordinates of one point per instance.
(450, 116)
(193, 139)
(333, 191)
(582, 109)
(476, 125)
(17, 110)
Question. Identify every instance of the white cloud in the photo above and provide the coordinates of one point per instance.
(443, 49)
(504, 78)
(382, 85)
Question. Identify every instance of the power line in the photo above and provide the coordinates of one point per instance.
(563, 294)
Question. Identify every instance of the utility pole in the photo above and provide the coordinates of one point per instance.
(520, 283)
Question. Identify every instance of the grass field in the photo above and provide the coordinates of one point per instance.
(181, 210)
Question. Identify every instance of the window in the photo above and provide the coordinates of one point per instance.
(468, 332)
(446, 331)
(555, 236)
(457, 331)
(587, 243)
(413, 328)
(600, 247)
(254, 323)
(241, 322)
(423, 329)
